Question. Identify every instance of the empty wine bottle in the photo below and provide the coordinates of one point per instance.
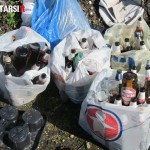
(41, 79)
(34, 49)
(143, 46)
(44, 60)
(20, 58)
(127, 46)
(118, 100)
(139, 29)
(84, 43)
(119, 79)
(141, 97)
(134, 69)
(133, 102)
(68, 69)
(117, 48)
(9, 67)
(42, 52)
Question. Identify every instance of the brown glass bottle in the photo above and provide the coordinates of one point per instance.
(129, 87)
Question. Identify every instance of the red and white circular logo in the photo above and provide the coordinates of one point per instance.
(103, 123)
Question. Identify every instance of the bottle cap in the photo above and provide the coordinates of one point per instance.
(142, 43)
(34, 46)
(117, 43)
(73, 50)
(119, 71)
(140, 19)
(84, 40)
(126, 39)
(7, 59)
(43, 75)
(134, 68)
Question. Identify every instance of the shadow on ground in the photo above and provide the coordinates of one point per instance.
(64, 119)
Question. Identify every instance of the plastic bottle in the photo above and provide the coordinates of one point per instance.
(27, 14)
(41, 79)
(9, 67)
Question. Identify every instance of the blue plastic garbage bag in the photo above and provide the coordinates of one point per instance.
(58, 19)
(40, 7)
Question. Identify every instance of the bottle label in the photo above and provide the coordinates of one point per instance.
(141, 100)
(147, 76)
(128, 93)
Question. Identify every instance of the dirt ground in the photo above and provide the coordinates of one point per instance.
(62, 131)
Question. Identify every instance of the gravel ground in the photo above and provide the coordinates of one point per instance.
(62, 131)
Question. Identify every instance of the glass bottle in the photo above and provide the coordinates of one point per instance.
(119, 79)
(129, 87)
(84, 43)
(143, 46)
(141, 97)
(118, 100)
(147, 81)
(139, 29)
(116, 48)
(127, 45)
(41, 79)
(34, 49)
(9, 67)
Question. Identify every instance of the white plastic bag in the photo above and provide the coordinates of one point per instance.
(124, 11)
(134, 57)
(26, 16)
(77, 85)
(116, 127)
(17, 90)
